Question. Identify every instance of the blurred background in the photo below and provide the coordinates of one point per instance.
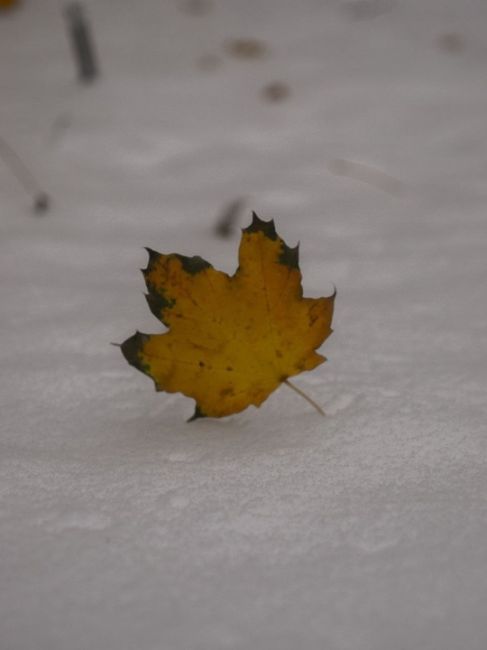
(360, 127)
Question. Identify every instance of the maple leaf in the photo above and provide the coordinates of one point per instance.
(232, 340)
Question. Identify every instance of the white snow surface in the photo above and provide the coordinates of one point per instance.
(122, 526)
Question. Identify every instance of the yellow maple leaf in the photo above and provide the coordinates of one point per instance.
(232, 340)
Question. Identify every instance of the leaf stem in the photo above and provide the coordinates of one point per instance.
(306, 397)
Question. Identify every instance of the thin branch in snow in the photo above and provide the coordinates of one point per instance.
(41, 199)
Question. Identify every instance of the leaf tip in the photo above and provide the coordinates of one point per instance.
(259, 225)
(192, 265)
(289, 256)
(131, 350)
(153, 257)
(197, 415)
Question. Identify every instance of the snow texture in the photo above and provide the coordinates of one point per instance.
(122, 526)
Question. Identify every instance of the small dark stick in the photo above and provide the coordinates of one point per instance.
(227, 220)
(40, 198)
(82, 42)
(42, 203)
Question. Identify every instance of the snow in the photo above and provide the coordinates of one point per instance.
(122, 526)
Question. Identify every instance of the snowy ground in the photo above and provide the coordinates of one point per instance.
(123, 527)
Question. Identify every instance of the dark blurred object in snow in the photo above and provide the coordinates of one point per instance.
(25, 177)
(42, 203)
(276, 91)
(366, 9)
(197, 7)
(60, 125)
(246, 48)
(209, 62)
(451, 42)
(82, 42)
(227, 220)
(7, 5)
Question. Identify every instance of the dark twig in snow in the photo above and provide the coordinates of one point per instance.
(41, 199)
